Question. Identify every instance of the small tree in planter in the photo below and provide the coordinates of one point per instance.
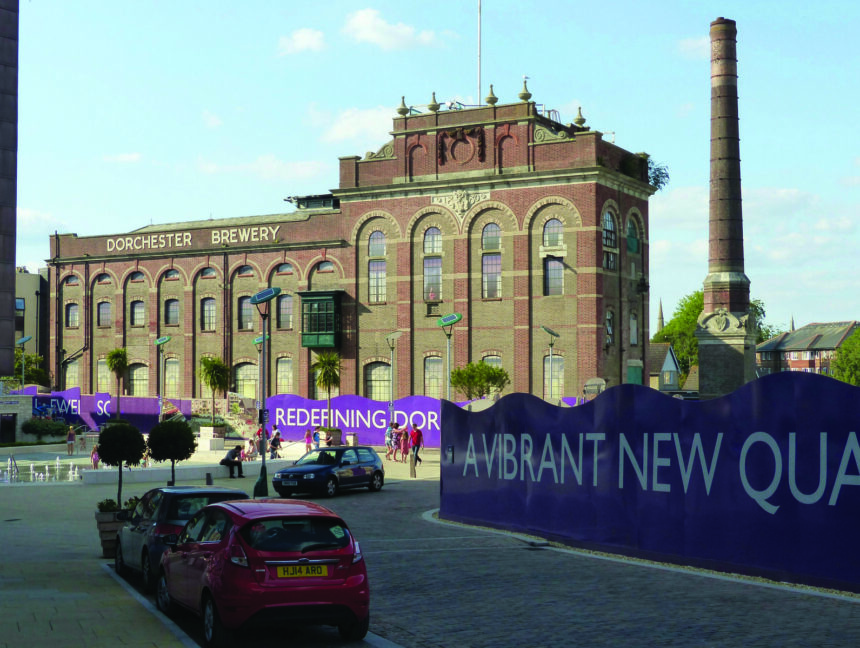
(215, 374)
(121, 443)
(328, 368)
(171, 441)
(117, 363)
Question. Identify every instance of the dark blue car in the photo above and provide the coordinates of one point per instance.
(327, 470)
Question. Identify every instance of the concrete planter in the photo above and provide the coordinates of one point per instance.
(211, 438)
(108, 527)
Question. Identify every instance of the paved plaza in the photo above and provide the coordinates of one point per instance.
(432, 584)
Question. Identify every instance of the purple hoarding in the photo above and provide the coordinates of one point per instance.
(763, 481)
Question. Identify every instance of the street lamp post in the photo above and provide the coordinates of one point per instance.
(258, 342)
(22, 342)
(261, 301)
(159, 380)
(447, 322)
(642, 288)
(391, 338)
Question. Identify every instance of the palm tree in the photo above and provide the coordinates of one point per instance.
(117, 363)
(215, 374)
(327, 367)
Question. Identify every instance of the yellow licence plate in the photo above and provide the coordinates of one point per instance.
(302, 571)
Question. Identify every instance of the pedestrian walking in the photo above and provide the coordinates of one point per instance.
(389, 440)
(70, 441)
(275, 444)
(233, 460)
(316, 437)
(309, 439)
(417, 438)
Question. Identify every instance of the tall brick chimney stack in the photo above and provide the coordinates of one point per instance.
(726, 330)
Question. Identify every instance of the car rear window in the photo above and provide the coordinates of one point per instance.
(296, 534)
(184, 506)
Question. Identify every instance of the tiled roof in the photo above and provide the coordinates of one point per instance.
(692, 382)
(239, 221)
(657, 352)
(817, 337)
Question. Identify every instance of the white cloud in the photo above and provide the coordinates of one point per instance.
(269, 168)
(123, 158)
(31, 221)
(211, 120)
(370, 126)
(695, 49)
(301, 40)
(366, 26)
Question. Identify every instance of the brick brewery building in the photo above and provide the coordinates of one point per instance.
(498, 213)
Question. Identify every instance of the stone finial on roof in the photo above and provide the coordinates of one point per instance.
(433, 105)
(403, 109)
(580, 120)
(491, 99)
(525, 95)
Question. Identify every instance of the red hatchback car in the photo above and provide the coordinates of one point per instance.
(263, 562)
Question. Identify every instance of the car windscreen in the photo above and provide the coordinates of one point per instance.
(291, 534)
(182, 507)
(319, 458)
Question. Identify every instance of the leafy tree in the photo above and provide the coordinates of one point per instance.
(680, 331)
(846, 363)
(328, 367)
(171, 441)
(658, 175)
(215, 374)
(33, 372)
(478, 379)
(117, 364)
(121, 443)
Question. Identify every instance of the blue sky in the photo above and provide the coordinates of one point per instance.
(138, 113)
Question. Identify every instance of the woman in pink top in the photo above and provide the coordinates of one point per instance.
(309, 440)
(404, 444)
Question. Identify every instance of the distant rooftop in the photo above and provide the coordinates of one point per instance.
(812, 337)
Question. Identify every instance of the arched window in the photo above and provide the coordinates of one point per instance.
(103, 314)
(171, 378)
(433, 376)
(491, 237)
(71, 280)
(171, 275)
(318, 392)
(245, 271)
(208, 273)
(207, 314)
(553, 377)
(553, 276)
(103, 278)
(325, 266)
(376, 244)
(245, 314)
(432, 241)
(245, 375)
(552, 231)
(136, 277)
(171, 312)
(72, 316)
(377, 381)
(284, 268)
(492, 360)
(285, 312)
(138, 380)
(632, 237)
(284, 376)
(610, 242)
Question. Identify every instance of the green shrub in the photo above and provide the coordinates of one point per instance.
(206, 421)
(44, 428)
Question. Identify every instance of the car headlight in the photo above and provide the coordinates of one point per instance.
(310, 476)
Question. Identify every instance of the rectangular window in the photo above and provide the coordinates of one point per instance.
(72, 316)
(171, 312)
(553, 276)
(433, 377)
(285, 312)
(171, 378)
(553, 378)
(103, 379)
(377, 384)
(246, 314)
(72, 375)
(634, 329)
(610, 260)
(376, 281)
(103, 314)
(491, 272)
(137, 313)
(207, 314)
(432, 278)
(284, 376)
(319, 317)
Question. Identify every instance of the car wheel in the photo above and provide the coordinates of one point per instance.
(148, 575)
(214, 634)
(376, 481)
(162, 595)
(355, 631)
(119, 565)
(331, 487)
